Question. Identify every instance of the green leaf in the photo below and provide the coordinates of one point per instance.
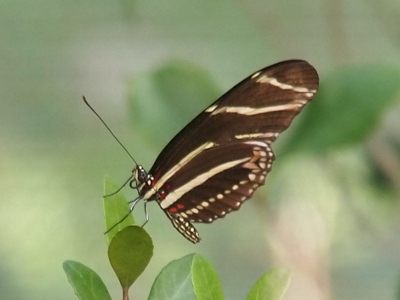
(115, 209)
(86, 283)
(346, 109)
(174, 281)
(206, 283)
(173, 95)
(271, 286)
(129, 253)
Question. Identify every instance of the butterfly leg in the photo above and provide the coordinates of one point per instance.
(146, 213)
(134, 202)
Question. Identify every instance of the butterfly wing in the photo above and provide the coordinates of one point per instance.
(221, 157)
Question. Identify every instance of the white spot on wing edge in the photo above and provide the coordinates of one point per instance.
(309, 94)
(252, 176)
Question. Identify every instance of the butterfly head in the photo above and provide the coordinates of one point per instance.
(141, 179)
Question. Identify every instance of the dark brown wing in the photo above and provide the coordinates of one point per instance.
(220, 158)
(292, 82)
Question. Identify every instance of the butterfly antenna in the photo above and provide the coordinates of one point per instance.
(108, 128)
(116, 192)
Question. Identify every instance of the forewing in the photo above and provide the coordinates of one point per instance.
(258, 108)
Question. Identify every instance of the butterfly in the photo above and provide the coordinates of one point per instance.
(222, 156)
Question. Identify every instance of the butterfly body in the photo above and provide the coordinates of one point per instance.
(220, 158)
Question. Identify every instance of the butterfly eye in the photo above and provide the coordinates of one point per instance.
(140, 175)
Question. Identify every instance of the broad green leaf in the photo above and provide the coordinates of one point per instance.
(86, 283)
(129, 253)
(206, 283)
(115, 209)
(346, 109)
(271, 286)
(172, 95)
(174, 281)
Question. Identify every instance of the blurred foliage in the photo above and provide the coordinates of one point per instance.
(272, 285)
(178, 89)
(190, 277)
(86, 283)
(331, 217)
(348, 107)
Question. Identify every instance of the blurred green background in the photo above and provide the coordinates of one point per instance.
(330, 208)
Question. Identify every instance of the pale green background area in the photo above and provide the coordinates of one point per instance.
(54, 153)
